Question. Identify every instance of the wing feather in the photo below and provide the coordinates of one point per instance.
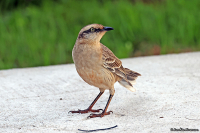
(112, 63)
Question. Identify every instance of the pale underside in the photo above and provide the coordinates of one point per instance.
(99, 67)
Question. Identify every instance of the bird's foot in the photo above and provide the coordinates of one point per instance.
(99, 115)
(86, 111)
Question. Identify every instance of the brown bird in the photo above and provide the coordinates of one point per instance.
(98, 66)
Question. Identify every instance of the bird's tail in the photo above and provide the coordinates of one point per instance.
(130, 80)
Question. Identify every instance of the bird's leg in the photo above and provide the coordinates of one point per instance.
(104, 111)
(89, 109)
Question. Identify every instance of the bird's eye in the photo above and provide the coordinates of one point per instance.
(92, 29)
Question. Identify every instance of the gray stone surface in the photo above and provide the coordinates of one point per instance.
(167, 96)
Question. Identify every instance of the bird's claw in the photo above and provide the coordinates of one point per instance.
(99, 115)
(100, 109)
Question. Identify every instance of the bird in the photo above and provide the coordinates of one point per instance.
(98, 66)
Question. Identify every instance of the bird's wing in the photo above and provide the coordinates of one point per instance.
(112, 63)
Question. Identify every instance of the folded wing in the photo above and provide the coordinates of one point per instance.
(112, 63)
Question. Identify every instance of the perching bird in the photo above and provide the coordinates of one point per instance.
(98, 66)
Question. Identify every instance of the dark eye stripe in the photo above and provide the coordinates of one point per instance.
(97, 30)
(89, 31)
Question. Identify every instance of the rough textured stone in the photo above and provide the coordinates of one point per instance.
(168, 96)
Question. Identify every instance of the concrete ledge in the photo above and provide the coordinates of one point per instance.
(168, 96)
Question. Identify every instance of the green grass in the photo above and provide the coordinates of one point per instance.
(45, 35)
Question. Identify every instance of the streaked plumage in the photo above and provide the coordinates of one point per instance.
(97, 65)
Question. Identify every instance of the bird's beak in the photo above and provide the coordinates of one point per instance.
(108, 28)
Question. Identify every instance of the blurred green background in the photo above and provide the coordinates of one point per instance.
(43, 32)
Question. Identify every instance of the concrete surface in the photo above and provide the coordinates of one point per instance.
(168, 96)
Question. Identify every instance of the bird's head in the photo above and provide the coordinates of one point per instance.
(93, 32)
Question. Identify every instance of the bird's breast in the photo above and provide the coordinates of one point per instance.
(88, 62)
(86, 56)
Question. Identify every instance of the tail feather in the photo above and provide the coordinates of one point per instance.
(127, 85)
(131, 79)
(131, 75)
